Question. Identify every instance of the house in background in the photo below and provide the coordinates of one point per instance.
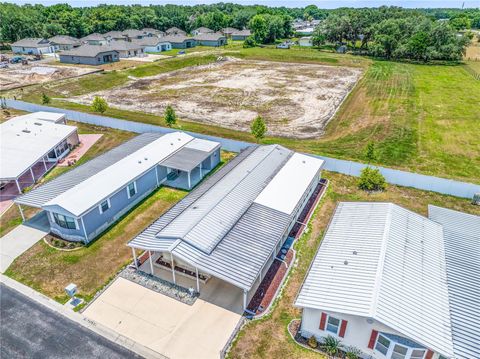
(85, 201)
(32, 46)
(305, 41)
(175, 31)
(153, 44)
(240, 35)
(215, 39)
(114, 36)
(180, 41)
(228, 231)
(131, 34)
(94, 39)
(64, 42)
(127, 49)
(228, 31)
(202, 30)
(149, 32)
(31, 145)
(379, 283)
(90, 55)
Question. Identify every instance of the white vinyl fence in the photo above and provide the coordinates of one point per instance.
(402, 178)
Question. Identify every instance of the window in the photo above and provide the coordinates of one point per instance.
(64, 221)
(333, 324)
(131, 189)
(399, 352)
(104, 206)
(417, 354)
(382, 344)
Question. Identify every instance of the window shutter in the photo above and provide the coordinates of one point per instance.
(373, 338)
(429, 354)
(323, 321)
(343, 327)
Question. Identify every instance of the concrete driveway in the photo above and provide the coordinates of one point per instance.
(167, 326)
(17, 241)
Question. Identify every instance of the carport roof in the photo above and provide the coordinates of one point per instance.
(186, 159)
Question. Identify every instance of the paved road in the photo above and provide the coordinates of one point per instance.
(29, 330)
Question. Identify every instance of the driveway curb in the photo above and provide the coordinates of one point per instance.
(81, 319)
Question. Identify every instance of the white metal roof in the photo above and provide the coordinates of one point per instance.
(26, 139)
(86, 194)
(45, 116)
(462, 249)
(382, 261)
(288, 186)
(202, 145)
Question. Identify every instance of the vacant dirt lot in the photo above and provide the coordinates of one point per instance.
(296, 100)
(18, 75)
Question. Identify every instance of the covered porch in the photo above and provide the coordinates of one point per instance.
(209, 288)
(185, 179)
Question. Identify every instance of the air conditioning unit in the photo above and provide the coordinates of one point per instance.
(476, 199)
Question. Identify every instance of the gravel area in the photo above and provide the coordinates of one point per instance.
(159, 285)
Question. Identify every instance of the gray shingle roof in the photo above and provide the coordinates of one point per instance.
(32, 42)
(175, 30)
(64, 40)
(150, 41)
(88, 50)
(50, 190)
(241, 33)
(176, 39)
(204, 30)
(114, 34)
(122, 45)
(93, 37)
(462, 251)
(229, 30)
(133, 33)
(209, 37)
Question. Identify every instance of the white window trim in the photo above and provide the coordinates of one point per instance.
(392, 345)
(134, 186)
(339, 324)
(100, 206)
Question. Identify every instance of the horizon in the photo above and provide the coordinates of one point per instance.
(326, 4)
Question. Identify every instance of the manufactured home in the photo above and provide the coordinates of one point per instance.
(233, 225)
(82, 203)
(385, 281)
(30, 146)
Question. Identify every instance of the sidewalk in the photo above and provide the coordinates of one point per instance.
(80, 319)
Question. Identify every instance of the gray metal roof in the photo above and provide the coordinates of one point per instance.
(204, 224)
(462, 251)
(218, 228)
(147, 239)
(185, 159)
(50, 190)
(381, 261)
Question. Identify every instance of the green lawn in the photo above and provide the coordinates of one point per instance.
(268, 337)
(422, 118)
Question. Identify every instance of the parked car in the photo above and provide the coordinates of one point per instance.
(16, 59)
(283, 45)
(3, 65)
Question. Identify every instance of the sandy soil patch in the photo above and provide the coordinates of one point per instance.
(21, 75)
(296, 100)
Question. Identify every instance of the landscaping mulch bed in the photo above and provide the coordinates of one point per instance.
(159, 285)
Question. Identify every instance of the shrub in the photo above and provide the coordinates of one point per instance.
(170, 117)
(249, 42)
(371, 180)
(352, 352)
(312, 342)
(258, 128)
(99, 104)
(331, 346)
(370, 152)
(45, 99)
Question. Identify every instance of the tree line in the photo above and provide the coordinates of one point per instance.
(393, 33)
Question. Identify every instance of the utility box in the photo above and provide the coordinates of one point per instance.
(476, 199)
(71, 290)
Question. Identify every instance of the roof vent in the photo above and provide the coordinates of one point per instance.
(195, 207)
(179, 139)
(37, 123)
(345, 262)
(303, 161)
(26, 131)
(146, 158)
(355, 253)
(139, 161)
(171, 144)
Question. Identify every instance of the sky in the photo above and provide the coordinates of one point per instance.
(325, 4)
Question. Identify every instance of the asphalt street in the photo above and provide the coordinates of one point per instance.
(30, 330)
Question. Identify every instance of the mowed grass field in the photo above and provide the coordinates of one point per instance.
(268, 337)
(422, 118)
